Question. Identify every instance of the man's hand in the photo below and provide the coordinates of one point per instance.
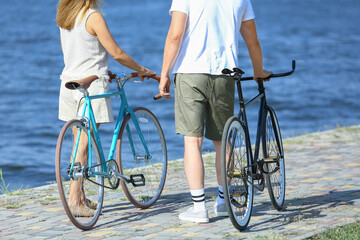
(264, 75)
(164, 86)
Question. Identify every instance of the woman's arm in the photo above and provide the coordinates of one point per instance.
(96, 26)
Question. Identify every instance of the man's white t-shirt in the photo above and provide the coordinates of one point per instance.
(210, 40)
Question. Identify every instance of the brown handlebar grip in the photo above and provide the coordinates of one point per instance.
(135, 74)
(157, 97)
(157, 78)
(111, 75)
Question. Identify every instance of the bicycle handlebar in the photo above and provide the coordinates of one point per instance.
(156, 77)
(86, 82)
(275, 75)
(135, 74)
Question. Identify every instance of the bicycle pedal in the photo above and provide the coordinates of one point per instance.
(137, 180)
(271, 160)
(237, 190)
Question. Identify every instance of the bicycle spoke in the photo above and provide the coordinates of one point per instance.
(237, 184)
(134, 159)
(81, 198)
(273, 149)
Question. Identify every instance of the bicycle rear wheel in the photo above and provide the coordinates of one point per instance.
(133, 160)
(235, 165)
(273, 152)
(81, 193)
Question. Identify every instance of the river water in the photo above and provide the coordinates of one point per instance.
(322, 36)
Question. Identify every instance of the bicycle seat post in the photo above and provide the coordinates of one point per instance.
(83, 91)
(242, 113)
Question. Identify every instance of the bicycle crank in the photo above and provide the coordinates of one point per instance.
(137, 180)
(112, 177)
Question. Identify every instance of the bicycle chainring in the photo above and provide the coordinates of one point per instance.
(111, 165)
(112, 169)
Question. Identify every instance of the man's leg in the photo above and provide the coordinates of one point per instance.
(194, 170)
(219, 207)
(193, 162)
(217, 145)
(221, 104)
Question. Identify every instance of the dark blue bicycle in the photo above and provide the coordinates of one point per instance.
(242, 171)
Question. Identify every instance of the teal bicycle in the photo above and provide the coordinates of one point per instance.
(82, 172)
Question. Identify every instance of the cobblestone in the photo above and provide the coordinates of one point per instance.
(323, 191)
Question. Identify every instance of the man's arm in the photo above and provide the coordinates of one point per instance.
(248, 32)
(171, 49)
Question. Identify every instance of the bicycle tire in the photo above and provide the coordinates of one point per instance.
(154, 169)
(273, 149)
(88, 194)
(237, 183)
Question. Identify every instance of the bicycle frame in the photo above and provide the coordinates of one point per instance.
(242, 116)
(262, 108)
(88, 117)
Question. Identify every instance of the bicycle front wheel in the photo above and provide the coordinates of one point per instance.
(134, 160)
(81, 191)
(274, 155)
(235, 166)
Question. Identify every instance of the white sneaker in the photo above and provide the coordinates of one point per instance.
(197, 217)
(220, 210)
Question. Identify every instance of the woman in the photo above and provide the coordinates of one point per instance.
(86, 44)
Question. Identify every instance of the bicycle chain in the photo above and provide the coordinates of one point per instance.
(87, 176)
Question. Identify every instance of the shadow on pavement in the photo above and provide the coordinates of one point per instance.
(300, 209)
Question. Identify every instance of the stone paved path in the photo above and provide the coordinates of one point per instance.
(323, 190)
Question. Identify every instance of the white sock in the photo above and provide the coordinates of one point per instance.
(220, 197)
(198, 197)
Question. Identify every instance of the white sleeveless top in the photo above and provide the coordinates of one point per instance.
(83, 53)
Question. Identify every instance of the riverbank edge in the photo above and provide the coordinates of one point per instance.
(333, 136)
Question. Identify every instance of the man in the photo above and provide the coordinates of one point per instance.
(202, 40)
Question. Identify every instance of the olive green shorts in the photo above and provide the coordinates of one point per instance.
(203, 101)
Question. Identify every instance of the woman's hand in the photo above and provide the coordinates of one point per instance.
(144, 72)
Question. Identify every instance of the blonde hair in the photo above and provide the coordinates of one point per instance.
(68, 10)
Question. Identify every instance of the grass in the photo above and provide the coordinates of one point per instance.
(347, 232)
(9, 204)
(4, 188)
(273, 236)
